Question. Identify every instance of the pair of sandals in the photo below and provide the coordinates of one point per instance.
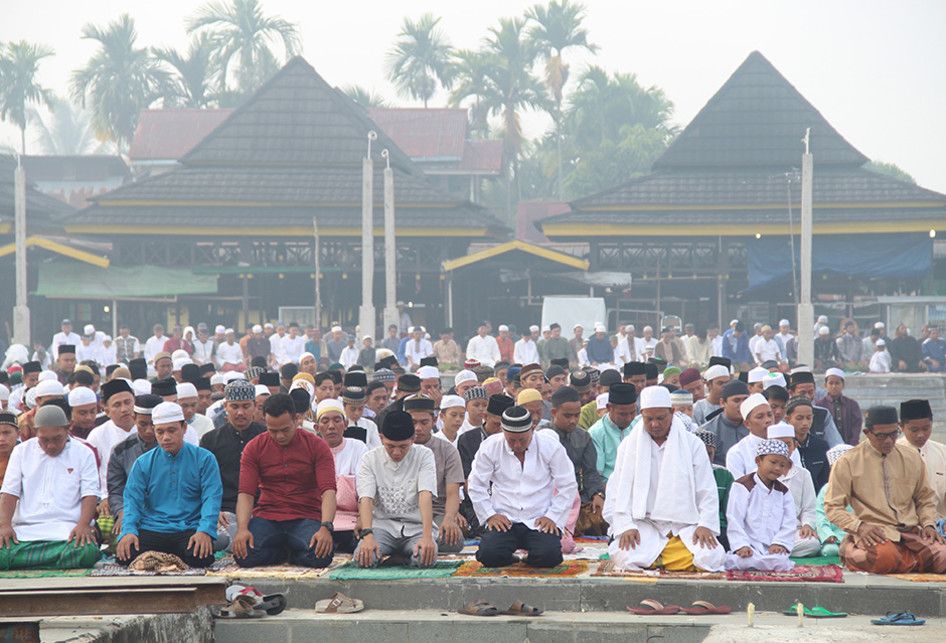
(650, 607)
(339, 604)
(245, 601)
(899, 618)
(485, 608)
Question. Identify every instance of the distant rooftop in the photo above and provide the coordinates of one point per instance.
(169, 134)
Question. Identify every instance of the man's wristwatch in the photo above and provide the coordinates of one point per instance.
(328, 525)
(365, 532)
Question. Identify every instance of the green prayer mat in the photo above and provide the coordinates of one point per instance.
(45, 573)
(440, 569)
(818, 561)
(47, 554)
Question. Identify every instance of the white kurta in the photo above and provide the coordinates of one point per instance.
(740, 459)
(229, 354)
(758, 517)
(655, 533)
(934, 455)
(484, 349)
(348, 459)
(50, 489)
(104, 438)
(201, 424)
(798, 481)
(525, 352)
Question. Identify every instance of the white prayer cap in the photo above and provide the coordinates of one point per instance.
(329, 405)
(784, 322)
(824, 330)
(229, 376)
(267, 325)
(452, 402)
(219, 329)
(30, 398)
(822, 319)
(714, 371)
(546, 328)
(879, 325)
(754, 400)
(654, 397)
(577, 326)
(217, 378)
(338, 329)
(801, 368)
(4, 393)
(167, 412)
(600, 328)
(180, 362)
(780, 430)
(381, 353)
(774, 379)
(837, 372)
(533, 328)
(188, 329)
(46, 375)
(261, 389)
(757, 374)
(601, 402)
(89, 329)
(186, 390)
(880, 342)
(304, 385)
(179, 354)
(257, 328)
(82, 395)
(503, 328)
(650, 328)
(49, 387)
(366, 337)
(733, 322)
(229, 331)
(835, 452)
(464, 376)
(141, 387)
(428, 372)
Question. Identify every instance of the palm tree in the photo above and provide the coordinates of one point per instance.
(193, 73)
(68, 132)
(243, 36)
(19, 64)
(556, 28)
(364, 96)
(118, 81)
(420, 59)
(470, 71)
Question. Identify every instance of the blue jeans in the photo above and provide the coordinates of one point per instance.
(276, 541)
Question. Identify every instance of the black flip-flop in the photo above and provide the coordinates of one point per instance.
(273, 604)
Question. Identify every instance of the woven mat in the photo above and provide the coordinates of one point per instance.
(114, 569)
(801, 574)
(45, 573)
(227, 568)
(817, 561)
(606, 569)
(596, 551)
(567, 568)
(440, 569)
(921, 578)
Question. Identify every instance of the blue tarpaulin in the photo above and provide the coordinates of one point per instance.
(866, 256)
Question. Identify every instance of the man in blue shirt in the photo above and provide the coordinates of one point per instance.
(934, 352)
(736, 347)
(599, 347)
(172, 497)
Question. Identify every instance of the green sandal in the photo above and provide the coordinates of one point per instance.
(814, 612)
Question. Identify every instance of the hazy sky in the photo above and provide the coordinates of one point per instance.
(870, 66)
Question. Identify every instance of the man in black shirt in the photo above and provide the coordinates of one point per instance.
(227, 442)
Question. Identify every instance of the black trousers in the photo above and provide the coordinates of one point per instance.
(173, 542)
(497, 548)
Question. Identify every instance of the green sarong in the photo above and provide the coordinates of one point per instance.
(48, 554)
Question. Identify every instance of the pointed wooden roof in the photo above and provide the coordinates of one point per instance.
(756, 119)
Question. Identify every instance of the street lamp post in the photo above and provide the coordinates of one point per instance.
(806, 312)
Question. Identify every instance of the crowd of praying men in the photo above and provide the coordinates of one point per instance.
(287, 448)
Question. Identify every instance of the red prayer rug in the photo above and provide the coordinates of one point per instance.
(801, 574)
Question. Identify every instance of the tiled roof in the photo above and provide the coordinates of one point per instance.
(434, 134)
(92, 167)
(169, 134)
(482, 157)
(42, 211)
(757, 119)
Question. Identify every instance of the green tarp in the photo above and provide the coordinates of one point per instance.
(74, 280)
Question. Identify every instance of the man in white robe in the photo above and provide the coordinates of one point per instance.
(661, 501)
(916, 422)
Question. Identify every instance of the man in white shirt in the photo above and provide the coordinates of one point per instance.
(203, 345)
(155, 343)
(64, 336)
(916, 422)
(119, 400)
(349, 356)
(48, 499)
(661, 501)
(522, 487)
(229, 354)
(294, 344)
(277, 345)
(483, 347)
(784, 334)
(648, 344)
(417, 348)
(525, 350)
(766, 348)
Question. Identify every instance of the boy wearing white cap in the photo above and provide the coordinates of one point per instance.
(661, 500)
(798, 481)
(172, 496)
(757, 417)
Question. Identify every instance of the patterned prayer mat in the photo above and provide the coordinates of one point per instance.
(440, 569)
(801, 574)
(567, 568)
(921, 578)
(227, 568)
(606, 569)
(818, 561)
(114, 569)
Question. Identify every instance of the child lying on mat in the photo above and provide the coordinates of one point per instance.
(761, 520)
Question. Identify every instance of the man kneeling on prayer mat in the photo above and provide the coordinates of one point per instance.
(396, 485)
(892, 529)
(289, 474)
(172, 496)
(522, 486)
(661, 500)
(48, 499)
(760, 519)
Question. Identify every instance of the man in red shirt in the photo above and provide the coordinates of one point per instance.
(294, 473)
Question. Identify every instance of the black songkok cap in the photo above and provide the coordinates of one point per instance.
(190, 372)
(725, 361)
(554, 371)
(164, 387)
(734, 387)
(650, 370)
(635, 368)
(206, 369)
(419, 403)
(32, 367)
(138, 368)
(268, 379)
(111, 368)
(202, 384)
(499, 403)
(579, 380)
(622, 394)
(516, 419)
(915, 410)
(429, 361)
(357, 433)
(301, 400)
(802, 377)
(114, 387)
(880, 415)
(67, 348)
(560, 361)
(397, 426)
(609, 377)
(408, 383)
(356, 378)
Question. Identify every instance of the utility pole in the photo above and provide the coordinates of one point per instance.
(366, 312)
(390, 248)
(21, 312)
(806, 312)
(318, 273)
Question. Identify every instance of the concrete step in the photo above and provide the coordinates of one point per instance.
(420, 626)
(869, 390)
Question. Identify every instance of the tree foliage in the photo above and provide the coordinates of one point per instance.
(192, 73)
(19, 87)
(419, 62)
